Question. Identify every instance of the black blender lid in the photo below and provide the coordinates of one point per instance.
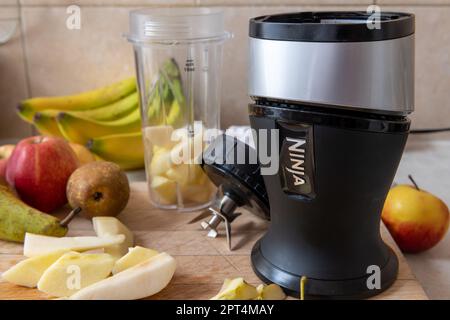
(337, 26)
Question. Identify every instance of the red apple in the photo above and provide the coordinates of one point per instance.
(416, 219)
(39, 168)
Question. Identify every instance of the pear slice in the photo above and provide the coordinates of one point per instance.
(142, 280)
(135, 256)
(35, 245)
(105, 226)
(28, 272)
(236, 289)
(74, 271)
(270, 292)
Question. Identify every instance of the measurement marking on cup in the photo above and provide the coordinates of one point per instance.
(189, 66)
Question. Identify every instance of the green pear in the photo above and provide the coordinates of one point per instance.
(17, 218)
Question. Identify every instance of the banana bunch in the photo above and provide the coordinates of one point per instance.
(108, 120)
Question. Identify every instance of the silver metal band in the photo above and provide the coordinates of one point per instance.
(373, 75)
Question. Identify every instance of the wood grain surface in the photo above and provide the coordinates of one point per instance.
(203, 263)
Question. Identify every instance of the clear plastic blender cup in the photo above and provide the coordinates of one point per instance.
(178, 55)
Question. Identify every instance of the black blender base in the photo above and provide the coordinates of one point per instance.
(322, 289)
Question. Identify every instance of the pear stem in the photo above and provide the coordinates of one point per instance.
(70, 217)
(413, 182)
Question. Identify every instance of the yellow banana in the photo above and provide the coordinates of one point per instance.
(126, 150)
(80, 130)
(46, 124)
(112, 111)
(82, 101)
(45, 121)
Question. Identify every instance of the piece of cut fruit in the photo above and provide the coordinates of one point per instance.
(161, 161)
(142, 280)
(165, 188)
(270, 292)
(28, 272)
(236, 289)
(74, 271)
(160, 136)
(188, 150)
(185, 174)
(35, 244)
(105, 226)
(134, 256)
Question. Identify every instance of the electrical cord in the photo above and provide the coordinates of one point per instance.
(422, 131)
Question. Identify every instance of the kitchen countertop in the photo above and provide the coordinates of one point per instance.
(203, 263)
(427, 159)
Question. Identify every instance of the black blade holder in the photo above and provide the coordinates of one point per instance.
(233, 167)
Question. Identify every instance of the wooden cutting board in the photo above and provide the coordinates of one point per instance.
(203, 263)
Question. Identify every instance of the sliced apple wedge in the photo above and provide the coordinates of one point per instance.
(28, 272)
(236, 289)
(270, 292)
(134, 256)
(105, 226)
(75, 271)
(142, 280)
(35, 245)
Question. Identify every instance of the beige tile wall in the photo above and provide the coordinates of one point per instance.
(13, 83)
(45, 58)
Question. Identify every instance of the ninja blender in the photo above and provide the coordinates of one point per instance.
(337, 91)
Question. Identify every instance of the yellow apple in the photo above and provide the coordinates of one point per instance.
(416, 219)
(83, 154)
(6, 151)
